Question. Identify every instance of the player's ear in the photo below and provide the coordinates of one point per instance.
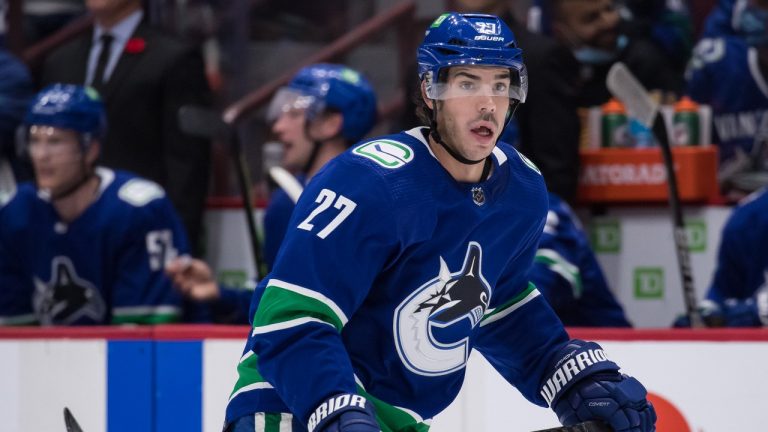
(427, 100)
(92, 153)
(326, 126)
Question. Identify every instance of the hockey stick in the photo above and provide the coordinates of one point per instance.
(70, 422)
(204, 122)
(624, 86)
(287, 182)
(588, 426)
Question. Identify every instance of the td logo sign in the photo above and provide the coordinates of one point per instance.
(606, 236)
(649, 283)
(696, 234)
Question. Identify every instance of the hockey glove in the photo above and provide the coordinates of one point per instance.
(344, 413)
(584, 385)
(751, 312)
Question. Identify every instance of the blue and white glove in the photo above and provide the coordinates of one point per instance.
(583, 385)
(733, 312)
(344, 413)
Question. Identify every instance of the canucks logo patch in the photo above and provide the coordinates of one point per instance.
(387, 153)
(432, 326)
(66, 298)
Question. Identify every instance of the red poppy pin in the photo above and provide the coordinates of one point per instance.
(135, 45)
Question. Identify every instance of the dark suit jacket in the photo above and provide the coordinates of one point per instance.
(142, 98)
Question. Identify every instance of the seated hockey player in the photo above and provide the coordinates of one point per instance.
(84, 244)
(729, 73)
(323, 110)
(738, 294)
(568, 274)
(410, 250)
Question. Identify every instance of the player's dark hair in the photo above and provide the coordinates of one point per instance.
(423, 112)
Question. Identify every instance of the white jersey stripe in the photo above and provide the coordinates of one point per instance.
(249, 387)
(285, 422)
(146, 310)
(260, 421)
(286, 325)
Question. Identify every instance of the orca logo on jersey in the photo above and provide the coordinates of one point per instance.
(66, 298)
(432, 326)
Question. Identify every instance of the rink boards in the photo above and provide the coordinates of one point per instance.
(178, 378)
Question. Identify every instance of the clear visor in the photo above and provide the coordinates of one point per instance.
(287, 100)
(472, 81)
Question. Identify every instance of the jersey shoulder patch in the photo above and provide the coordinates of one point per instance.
(139, 192)
(388, 153)
(528, 162)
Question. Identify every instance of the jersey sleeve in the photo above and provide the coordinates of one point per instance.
(736, 275)
(141, 292)
(339, 238)
(555, 271)
(522, 332)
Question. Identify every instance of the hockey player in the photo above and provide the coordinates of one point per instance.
(567, 272)
(323, 110)
(740, 284)
(84, 244)
(738, 294)
(410, 250)
(729, 74)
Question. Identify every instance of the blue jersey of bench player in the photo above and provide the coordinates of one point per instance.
(104, 267)
(725, 73)
(742, 262)
(392, 300)
(567, 272)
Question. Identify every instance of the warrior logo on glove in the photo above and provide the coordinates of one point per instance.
(433, 324)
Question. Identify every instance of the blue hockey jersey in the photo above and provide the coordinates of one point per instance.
(566, 271)
(276, 218)
(390, 274)
(725, 74)
(742, 260)
(106, 266)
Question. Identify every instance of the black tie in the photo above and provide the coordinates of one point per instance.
(101, 63)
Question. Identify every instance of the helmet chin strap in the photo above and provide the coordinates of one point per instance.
(454, 154)
(438, 139)
(316, 143)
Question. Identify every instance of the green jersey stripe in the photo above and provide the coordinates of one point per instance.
(18, 320)
(516, 303)
(561, 266)
(395, 419)
(161, 314)
(249, 377)
(306, 292)
(281, 308)
(145, 319)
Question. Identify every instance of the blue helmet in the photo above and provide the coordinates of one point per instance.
(322, 86)
(69, 106)
(455, 39)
